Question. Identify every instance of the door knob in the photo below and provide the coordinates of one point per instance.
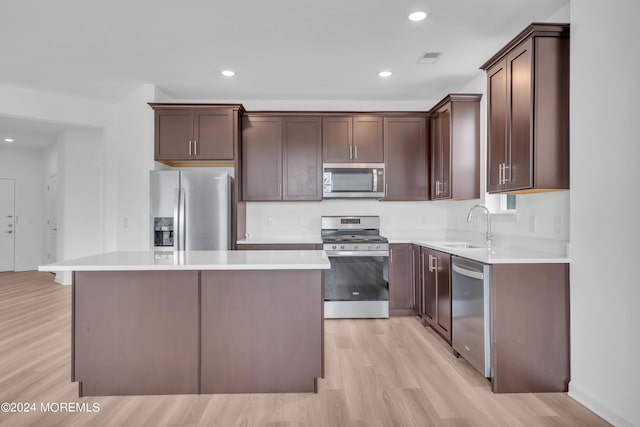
(9, 232)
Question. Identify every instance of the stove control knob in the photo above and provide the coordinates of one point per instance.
(377, 246)
(355, 246)
(341, 246)
(333, 247)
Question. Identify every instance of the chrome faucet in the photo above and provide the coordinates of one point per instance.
(489, 234)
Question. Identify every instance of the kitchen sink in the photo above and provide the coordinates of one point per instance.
(463, 246)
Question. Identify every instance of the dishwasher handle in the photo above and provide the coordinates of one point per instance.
(469, 273)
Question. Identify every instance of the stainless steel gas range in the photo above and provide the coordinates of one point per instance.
(357, 285)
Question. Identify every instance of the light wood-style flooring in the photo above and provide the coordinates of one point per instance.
(378, 373)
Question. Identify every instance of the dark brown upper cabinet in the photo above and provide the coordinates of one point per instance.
(281, 158)
(195, 132)
(302, 158)
(528, 112)
(352, 139)
(261, 158)
(405, 154)
(455, 147)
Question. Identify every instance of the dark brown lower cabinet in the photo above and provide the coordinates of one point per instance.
(402, 297)
(530, 328)
(436, 291)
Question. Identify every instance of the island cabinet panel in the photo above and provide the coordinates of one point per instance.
(135, 332)
(530, 328)
(405, 148)
(402, 299)
(261, 331)
(528, 112)
(262, 158)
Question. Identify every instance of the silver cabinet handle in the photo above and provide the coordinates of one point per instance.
(189, 148)
(500, 174)
(433, 263)
(195, 147)
(506, 168)
(424, 298)
(356, 152)
(351, 152)
(390, 255)
(413, 280)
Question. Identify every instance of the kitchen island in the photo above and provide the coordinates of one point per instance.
(196, 322)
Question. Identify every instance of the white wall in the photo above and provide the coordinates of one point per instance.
(128, 154)
(25, 166)
(605, 229)
(80, 196)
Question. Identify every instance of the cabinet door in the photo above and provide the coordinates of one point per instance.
(337, 139)
(213, 133)
(405, 158)
(497, 121)
(443, 291)
(173, 134)
(401, 286)
(302, 158)
(429, 286)
(520, 87)
(262, 158)
(367, 139)
(444, 152)
(416, 275)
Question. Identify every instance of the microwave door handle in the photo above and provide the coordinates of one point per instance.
(375, 180)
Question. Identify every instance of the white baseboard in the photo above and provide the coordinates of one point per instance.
(63, 277)
(594, 404)
(27, 268)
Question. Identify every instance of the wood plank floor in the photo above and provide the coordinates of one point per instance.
(378, 373)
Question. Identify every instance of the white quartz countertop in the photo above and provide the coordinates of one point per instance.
(195, 260)
(280, 240)
(497, 255)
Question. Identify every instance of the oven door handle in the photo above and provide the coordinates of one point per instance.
(356, 253)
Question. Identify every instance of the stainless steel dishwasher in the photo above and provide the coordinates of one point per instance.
(471, 315)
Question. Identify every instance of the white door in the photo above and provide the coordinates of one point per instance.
(52, 222)
(7, 224)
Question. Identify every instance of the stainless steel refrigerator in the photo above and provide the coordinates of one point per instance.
(190, 210)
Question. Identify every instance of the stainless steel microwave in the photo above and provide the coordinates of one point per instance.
(353, 180)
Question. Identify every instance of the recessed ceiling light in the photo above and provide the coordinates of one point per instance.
(228, 73)
(418, 16)
(385, 73)
(8, 140)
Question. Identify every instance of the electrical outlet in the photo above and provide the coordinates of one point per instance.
(532, 224)
(557, 225)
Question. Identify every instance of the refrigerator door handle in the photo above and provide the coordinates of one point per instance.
(176, 218)
(182, 242)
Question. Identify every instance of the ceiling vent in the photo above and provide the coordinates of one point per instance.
(429, 58)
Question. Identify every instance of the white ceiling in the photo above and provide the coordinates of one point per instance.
(280, 49)
(27, 133)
